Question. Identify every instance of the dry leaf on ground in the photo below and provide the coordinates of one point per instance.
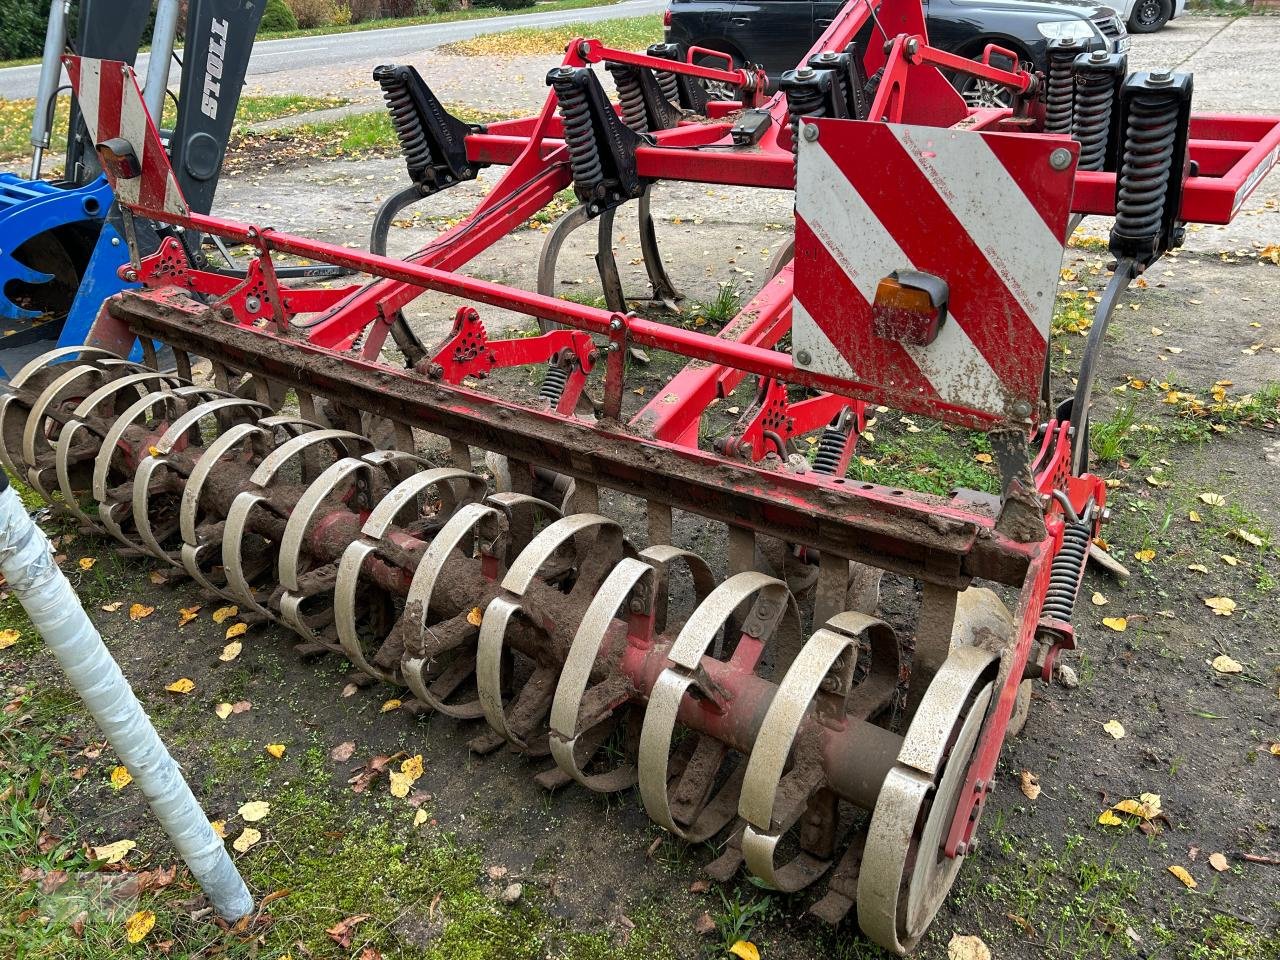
(392, 704)
(254, 810)
(1219, 862)
(121, 777)
(1115, 728)
(1099, 600)
(967, 948)
(139, 925)
(113, 852)
(1224, 664)
(113, 607)
(1118, 624)
(230, 651)
(1186, 878)
(746, 950)
(223, 613)
(140, 611)
(8, 638)
(187, 614)
(1030, 784)
(343, 751)
(1213, 499)
(248, 837)
(182, 685)
(1108, 819)
(276, 750)
(223, 710)
(86, 563)
(237, 630)
(1221, 606)
(342, 931)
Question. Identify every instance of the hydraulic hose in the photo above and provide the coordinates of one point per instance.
(55, 610)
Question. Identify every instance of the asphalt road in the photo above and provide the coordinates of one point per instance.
(339, 49)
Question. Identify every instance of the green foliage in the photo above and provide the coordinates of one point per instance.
(22, 26)
(277, 18)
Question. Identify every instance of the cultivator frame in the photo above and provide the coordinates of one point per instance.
(421, 577)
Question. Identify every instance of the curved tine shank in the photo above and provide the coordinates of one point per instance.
(550, 253)
(452, 535)
(498, 614)
(685, 655)
(607, 264)
(163, 447)
(384, 514)
(781, 257)
(892, 831)
(664, 291)
(621, 585)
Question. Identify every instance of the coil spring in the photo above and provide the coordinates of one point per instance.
(554, 382)
(1064, 576)
(407, 123)
(1144, 168)
(803, 102)
(669, 85)
(830, 450)
(579, 134)
(1091, 117)
(631, 97)
(1060, 91)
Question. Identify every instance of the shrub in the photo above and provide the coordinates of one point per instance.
(362, 10)
(312, 13)
(22, 25)
(277, 18)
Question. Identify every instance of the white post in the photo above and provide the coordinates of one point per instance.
(56, 612)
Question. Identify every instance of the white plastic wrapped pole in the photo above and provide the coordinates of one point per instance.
(56, 612)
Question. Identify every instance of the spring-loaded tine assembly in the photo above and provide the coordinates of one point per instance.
(824, 759)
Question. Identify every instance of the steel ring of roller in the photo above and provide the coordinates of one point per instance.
(906, 791)
(71, 429)
(620, 584)
(159, 456)
(524, 569)
(380, 519)
(112, 515)
(686, 654)
(772, 748)
(238, 516)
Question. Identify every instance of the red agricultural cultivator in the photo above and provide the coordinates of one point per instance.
(773, 711)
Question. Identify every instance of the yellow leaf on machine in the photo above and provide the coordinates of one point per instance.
(1224, 664)
(140, 611)
(475, 617)
(182, 685)
(237, 630)
(1115, 729)
(113, 852)
(1221, 606)
(1118, 624)
(746, 950)
(8, 638)
(230, 651)
(224, 613)
(139, 925)
(121, 777)
(248, 837)
(254, 810)
(276, 750)
(1186, 878)
(967, 948)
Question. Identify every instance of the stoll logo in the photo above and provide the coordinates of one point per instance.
(213, 68)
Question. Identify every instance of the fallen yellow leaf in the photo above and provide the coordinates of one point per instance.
(400, 784)
(746, 950)
(237, 630)
(219, 827)
(158, 578)
(139, 925)
(1118, 624)
(1115, 728)
(1109, 819)
(8, 638)
(248, 837)
(1221, 606)
(1275, 749)
(420, 817)
(223, 710)
(223, 613)
(1030, 784)
(1099, 600)
(113, 852)
(412, 768)
(230, 651)
(1193, 516)
(1147, 806)
(113, 607)
(181, 685)
(984, 458)
(1219, 862)
(475, 617)
(276, 750)
(1185, 877)
(1213, 499)
(392, 704)
(140, 611)
(962, 947)
(254, 810)
(121, 777)
(86, 563)
(1224, 664)
(1198, 567)
(187, 614)
(1252, 539)
(1145, 556)
(1230, 561)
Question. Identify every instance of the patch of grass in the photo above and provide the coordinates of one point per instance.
(932, 458)
(739, 917)
(1108, 438)
(626, 33)
(720, 309)
(1219, 8)
(16, 117)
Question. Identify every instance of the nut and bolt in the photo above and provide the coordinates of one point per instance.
(1161, 78)
(1022, 409)
(810, 132)
(115, 241)
(803, 358)
(1060, 158)
(804, 73)
(253, 303)
(1098, 56)
(613, 348)
(615, 324)
(131, 276)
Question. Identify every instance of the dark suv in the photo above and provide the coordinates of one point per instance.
(777, 33)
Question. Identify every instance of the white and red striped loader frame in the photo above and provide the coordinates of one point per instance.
(985, 212)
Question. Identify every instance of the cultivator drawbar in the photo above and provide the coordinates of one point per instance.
(752, 691)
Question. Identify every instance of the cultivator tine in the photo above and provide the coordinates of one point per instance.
(607, 264)
(551, 246)
(664, 291)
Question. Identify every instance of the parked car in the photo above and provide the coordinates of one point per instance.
(777, 33)
(1148, 16)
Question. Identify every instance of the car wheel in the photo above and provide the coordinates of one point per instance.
(1150, 15)
(717, 90)
(978, 92)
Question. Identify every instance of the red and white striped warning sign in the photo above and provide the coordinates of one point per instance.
(987, 213)
(112, 106)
